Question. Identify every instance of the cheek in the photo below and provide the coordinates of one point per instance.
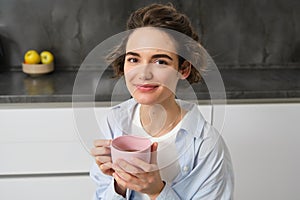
(129, 75)
(126, 69)
(167, 77)
(128, 72)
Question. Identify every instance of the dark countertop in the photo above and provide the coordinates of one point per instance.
(240, 84)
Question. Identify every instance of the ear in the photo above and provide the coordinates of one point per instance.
(185, 69)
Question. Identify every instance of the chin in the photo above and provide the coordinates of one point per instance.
(145, 101)
(150, 99)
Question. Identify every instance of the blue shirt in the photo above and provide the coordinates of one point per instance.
(206, 169)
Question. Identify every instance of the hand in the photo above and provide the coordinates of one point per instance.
(102, 155)
(145, 178)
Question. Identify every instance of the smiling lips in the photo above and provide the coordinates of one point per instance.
(146, 87)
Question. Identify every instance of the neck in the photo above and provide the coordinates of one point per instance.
(159, 119)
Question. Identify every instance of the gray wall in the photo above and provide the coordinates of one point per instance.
(238, 34)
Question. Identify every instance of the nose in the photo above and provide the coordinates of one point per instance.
(145, 72)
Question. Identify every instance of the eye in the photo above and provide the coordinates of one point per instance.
(132, 60)
(161, 62)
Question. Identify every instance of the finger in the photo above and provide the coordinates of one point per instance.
(129, 182)
(102, 143)
(103, 159)
(124, 175)
(154, 147)
(144, 166)
(127, 167)
(106, 166)
(100, 151)
(116, 167)
(119, 180)
(128, 179)
(121, 173)
(154, 153)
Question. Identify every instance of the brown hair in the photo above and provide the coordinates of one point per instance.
(161, 16)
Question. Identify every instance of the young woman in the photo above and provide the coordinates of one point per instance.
(190, 159)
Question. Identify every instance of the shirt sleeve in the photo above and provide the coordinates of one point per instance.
(219, 181)
(105, 185)
(211, 174)
(168, 193)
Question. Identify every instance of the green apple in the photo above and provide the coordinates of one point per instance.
(46, 57)
(32, 57)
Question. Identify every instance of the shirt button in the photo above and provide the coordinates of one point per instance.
(185, 168)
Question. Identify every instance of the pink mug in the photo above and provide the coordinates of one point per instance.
(128, 146)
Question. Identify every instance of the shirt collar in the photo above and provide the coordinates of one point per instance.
(194, 121)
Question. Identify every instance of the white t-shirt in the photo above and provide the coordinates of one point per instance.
(167, 156)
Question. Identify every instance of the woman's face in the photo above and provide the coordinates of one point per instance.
(151, 66)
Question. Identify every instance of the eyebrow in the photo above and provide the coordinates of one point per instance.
(162, 56)
(154, 56)
(133, 54)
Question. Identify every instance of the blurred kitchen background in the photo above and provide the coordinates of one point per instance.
(238, 34)
(255, 44)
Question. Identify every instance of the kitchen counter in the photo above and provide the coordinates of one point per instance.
(240, 84)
